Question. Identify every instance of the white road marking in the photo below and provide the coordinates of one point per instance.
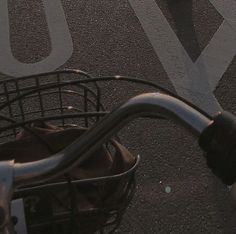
(218, 54)
(227, 9)
(225, 40)
(61, 42)
(194, 81)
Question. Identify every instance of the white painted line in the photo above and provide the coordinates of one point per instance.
(189, 80)
(218, 54)
(227, 9)
(61, 42)
(17, 210)
(226, 38)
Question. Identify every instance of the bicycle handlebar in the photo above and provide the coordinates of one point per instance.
(145, 105)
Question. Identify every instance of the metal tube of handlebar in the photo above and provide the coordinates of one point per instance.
(140, 106)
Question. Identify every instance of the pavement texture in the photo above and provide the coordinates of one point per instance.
(176, 192)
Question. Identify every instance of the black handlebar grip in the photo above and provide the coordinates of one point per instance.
(219, 143)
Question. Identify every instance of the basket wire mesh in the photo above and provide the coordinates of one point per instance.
(62, 100)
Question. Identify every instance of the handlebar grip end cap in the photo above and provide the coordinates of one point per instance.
(218, 141)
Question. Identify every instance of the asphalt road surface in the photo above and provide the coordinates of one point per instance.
(187, 46)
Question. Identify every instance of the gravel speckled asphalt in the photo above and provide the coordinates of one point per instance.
(176, 193)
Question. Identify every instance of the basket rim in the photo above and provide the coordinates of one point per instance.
(118, 176)
(43, 74)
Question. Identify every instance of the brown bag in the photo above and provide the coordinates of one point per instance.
(80, 199)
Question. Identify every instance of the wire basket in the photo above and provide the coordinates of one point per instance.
(42, 114)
